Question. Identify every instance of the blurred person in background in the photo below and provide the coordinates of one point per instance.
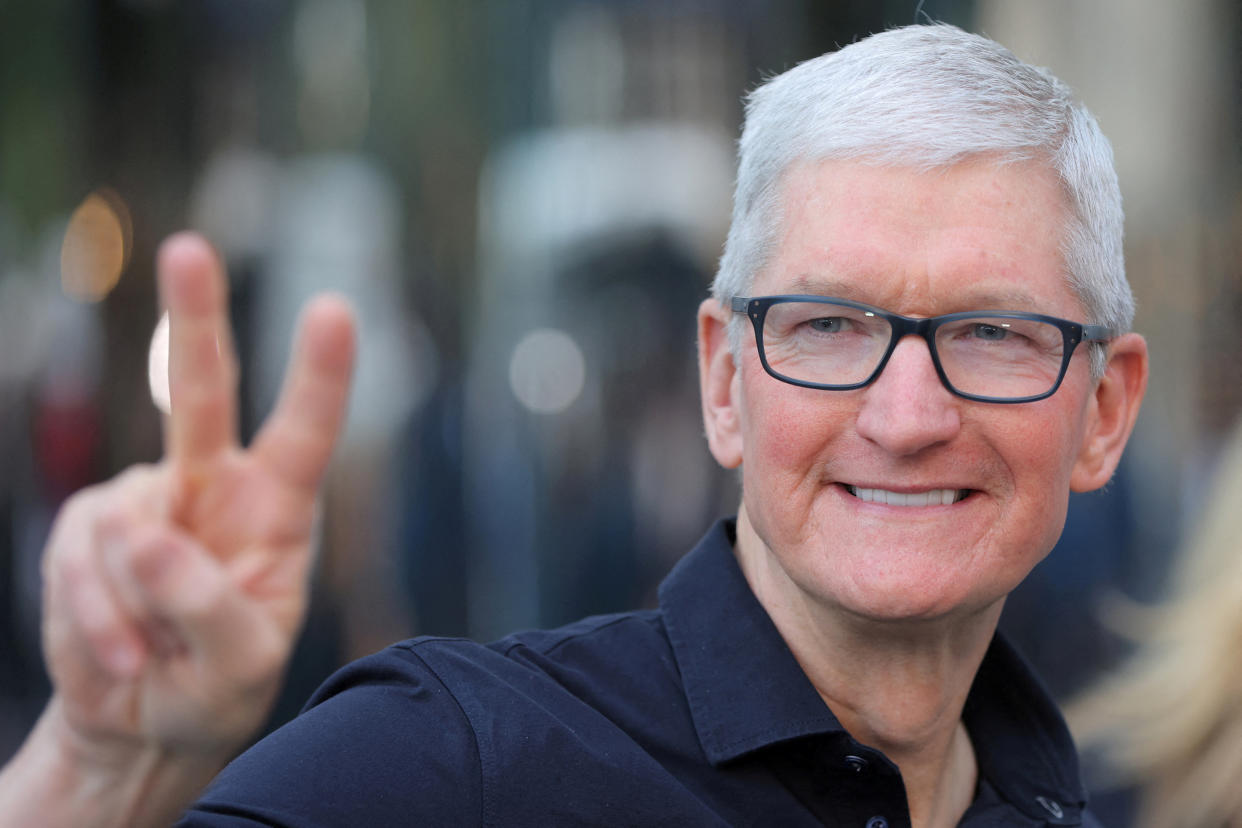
(1168, 723)
(926, 246)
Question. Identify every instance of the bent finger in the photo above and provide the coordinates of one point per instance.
(297, 440)
(191, 597)
(95, 615)
(117, 549)
(202, 368)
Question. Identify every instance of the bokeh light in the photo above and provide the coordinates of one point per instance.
(157, 367)
(547, 371)
(96, 247)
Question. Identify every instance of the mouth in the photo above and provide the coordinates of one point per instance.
(931, 497)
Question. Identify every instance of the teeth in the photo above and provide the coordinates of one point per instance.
(934, 497)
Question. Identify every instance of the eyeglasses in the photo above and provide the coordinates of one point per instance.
(988, 356)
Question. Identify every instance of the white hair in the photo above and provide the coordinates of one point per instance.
(927, 97)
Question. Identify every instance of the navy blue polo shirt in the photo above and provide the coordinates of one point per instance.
(692, 714)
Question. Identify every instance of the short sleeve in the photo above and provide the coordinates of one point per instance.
(383, 742)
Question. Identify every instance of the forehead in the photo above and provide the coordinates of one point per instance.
(973, 235)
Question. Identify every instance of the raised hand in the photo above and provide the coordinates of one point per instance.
(174, 593)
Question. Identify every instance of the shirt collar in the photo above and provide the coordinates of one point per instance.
(746, 691)
(1020, 738)
(743, 685)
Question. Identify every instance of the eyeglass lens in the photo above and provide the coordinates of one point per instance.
(983, 355)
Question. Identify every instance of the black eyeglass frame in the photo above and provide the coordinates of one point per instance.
(1072, 333)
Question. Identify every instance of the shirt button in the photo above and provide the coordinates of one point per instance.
(856, 763)
(1051, 806)
(877, 822)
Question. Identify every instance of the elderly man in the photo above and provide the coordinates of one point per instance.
(915, 349)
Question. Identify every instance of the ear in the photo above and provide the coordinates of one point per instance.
(1113, 408)
(718, 385)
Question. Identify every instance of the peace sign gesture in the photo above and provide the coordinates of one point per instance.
(174, 593)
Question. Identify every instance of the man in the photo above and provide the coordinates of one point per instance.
(914, 351)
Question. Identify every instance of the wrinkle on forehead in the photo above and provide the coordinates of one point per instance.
(921, 243)
(985, 297)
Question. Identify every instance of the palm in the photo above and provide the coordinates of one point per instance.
(197, 567)
(256, 526)
(260, 532)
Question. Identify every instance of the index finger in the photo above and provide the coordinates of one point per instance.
(202, 368)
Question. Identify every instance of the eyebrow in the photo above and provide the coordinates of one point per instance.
(988, 299)
(819, 286)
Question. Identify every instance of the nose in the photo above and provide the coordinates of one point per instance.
(907, 409)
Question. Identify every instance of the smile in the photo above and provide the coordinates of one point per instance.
(933, 497)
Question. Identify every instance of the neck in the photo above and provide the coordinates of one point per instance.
(896, 685)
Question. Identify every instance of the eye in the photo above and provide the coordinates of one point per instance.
(990, 333)
(830, 324)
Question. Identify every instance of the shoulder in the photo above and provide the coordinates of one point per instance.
(441, 728)
(597, 678)
(436, 671)
(599, 646)
(604, 643)
(381, 741)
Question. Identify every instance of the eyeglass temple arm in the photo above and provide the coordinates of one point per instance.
(740, 303)
(1097, 333)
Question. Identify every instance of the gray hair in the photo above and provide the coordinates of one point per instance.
(928, 97)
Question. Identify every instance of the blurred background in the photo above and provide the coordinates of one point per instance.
(526, 199)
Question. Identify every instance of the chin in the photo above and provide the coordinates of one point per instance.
(889, 610)
(912, 599)
(920, 616)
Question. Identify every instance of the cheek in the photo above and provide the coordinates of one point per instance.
(1040, 453)
(787, 429)
(1048, 444)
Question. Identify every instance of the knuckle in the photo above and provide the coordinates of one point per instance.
(147, 542)
(87, 604)
(153, 556)
(202, 603)
(77, 516)
(111, 518)
(71, 573)
(80, 502)
(97, 627)
(135, 475)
